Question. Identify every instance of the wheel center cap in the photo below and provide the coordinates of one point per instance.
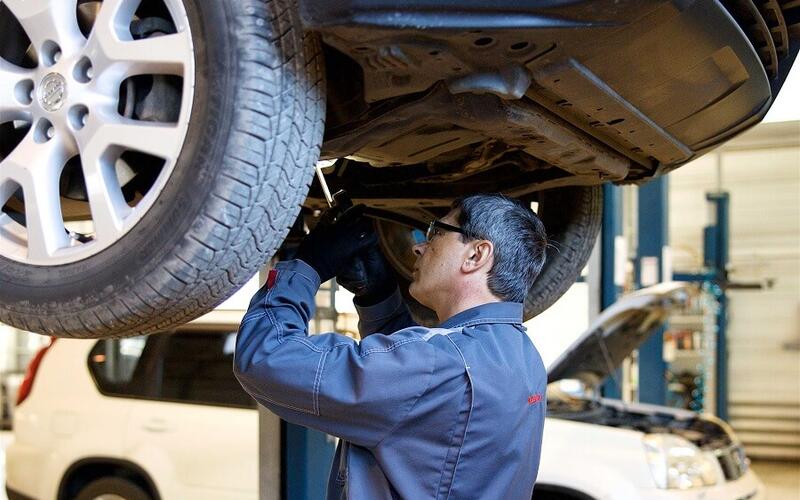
(52, 92)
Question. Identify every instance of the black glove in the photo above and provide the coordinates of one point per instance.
(336, 240)
(369, 276)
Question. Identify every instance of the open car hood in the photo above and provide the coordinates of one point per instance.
(616, 332)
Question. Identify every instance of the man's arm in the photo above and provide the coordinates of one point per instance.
(357, 391)
(389, 315)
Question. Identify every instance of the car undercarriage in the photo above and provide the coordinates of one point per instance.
(541, 96)
(155, 154)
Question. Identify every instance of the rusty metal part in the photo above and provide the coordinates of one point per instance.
(453, 121)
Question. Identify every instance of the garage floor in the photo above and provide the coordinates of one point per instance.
(5, 439)
(781, 478)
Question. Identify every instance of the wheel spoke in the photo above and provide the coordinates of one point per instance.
(160, 55)
(31, 156)
(163, 55)
(98, 157)
(122, 57)
(113, 19)
(107, 203)
(45, 20)
(37, 169)
(12, 90)
(157, 139)
(45, 224)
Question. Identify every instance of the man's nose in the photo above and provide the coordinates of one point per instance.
(419, 249)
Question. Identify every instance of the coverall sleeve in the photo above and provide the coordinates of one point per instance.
(388, 316)
(329, 382)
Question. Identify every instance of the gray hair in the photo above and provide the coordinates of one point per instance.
(519, 238)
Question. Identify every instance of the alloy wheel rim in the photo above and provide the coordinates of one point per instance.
(71, 103)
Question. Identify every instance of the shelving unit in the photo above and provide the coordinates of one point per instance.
(690, 353)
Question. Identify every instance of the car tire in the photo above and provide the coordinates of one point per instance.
(113, 487)
(572, 217)
(243, 171)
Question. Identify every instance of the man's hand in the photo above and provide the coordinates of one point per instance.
(369, 277)
(336, 240)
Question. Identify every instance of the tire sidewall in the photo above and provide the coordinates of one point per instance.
(572, 217)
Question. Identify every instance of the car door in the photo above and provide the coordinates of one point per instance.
(195, 430)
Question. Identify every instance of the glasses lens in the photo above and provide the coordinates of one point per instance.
(429, 234)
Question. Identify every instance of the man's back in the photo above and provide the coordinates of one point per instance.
(475, 433)
(503, 444)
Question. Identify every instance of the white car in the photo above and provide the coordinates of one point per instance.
(597, 448)
(142, 418)
(163, 417)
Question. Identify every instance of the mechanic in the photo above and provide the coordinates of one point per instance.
(453, 412)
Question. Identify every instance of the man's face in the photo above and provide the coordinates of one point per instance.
(438, 264)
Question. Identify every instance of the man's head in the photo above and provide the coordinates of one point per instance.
(498, 253)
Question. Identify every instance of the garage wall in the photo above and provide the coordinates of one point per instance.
(553, 331)
(761, 171)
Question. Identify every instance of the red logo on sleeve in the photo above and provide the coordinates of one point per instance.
(534, 398)
(273, 275)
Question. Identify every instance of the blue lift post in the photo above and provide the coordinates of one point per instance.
(715, 255)
(653, 237)
(305, 462)
(610, 290)
(716, 239)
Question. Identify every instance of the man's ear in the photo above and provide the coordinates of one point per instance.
(480, 256)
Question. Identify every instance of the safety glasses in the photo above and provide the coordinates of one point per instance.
(436, 227)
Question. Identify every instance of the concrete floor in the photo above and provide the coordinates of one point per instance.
(782, 479)
(5, 439)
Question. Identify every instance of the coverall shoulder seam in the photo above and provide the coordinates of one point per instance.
(368, 352)
(391, 347)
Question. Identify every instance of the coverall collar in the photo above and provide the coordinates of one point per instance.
(493, 312)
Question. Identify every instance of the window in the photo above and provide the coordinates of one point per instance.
(184, 366)
(113, 362)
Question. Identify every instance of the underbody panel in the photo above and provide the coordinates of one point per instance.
(553, 92)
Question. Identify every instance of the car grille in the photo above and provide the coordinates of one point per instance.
(769, 25)
(733, 461)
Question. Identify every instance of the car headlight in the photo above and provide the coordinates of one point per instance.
(678, 464)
